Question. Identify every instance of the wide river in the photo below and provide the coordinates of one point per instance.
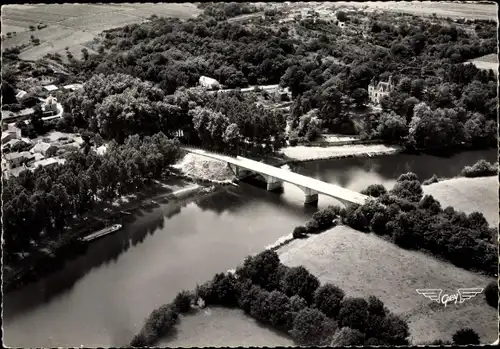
(101, 297)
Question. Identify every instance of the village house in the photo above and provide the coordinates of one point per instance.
(51, 88)
(15, 160)
(41, 148)
(50, 105)
(10, 132)
(21, 94)
(377, 91)
(208, 83)
(73, 87)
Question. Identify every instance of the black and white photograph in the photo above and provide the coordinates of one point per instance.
(249, 174)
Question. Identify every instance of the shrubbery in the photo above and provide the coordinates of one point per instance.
(481, 168)
(491, 294)
(466, 336)
(417, 222)
(293, 302)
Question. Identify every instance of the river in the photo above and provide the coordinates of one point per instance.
(101, 297)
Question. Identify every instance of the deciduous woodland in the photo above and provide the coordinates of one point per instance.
(141, 96)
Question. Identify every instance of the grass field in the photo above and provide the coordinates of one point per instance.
(220, 327)
(454, 10)
(486, 62)
(468, 195)
(73, 25)
(364, 264)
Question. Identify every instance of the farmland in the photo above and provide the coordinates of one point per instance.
(428, 8)
(74, 25)
(486, 62)
(363, 264)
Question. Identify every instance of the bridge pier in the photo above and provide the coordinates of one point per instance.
(311, 197)
(238, 172)
(273, 183)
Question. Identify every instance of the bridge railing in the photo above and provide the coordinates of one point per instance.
(209, 149)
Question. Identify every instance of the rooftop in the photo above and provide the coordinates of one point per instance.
(12, 156)
(48, 161)
(51, 88)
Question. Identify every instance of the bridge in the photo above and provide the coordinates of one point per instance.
(275, 177)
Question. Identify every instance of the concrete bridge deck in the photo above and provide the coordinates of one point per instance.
(276, 176)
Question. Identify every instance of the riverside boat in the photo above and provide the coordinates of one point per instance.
(100, 233)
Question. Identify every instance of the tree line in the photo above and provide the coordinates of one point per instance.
(291, 300)
(39, 205)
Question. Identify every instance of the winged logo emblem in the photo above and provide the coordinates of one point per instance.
(434, 294)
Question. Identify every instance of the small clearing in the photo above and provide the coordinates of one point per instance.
(201, 167)
(304, 153)
(468, 195)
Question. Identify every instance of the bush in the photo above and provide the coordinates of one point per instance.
(491, 294)
(374, 190)
(312, 226)
(429, 203)
(353, 313)
(481, 168)
(378, 223)
(433, 179)
(277, 307)
(466, 336)
(376, 306)
(324, 218)
(327, 299)
(299, 232)
(356, 220)
(159, 323)
(346, 337)
(312, 327)
(182, 301)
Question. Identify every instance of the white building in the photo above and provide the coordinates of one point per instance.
(51, 88)
(50, 104)
(41, 148)
(73, 87)
(209, 83)
(20, 94)
(382, 89)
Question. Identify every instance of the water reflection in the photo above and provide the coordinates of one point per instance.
(101, 297)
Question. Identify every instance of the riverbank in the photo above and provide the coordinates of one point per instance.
(105, 213)
(304, 153)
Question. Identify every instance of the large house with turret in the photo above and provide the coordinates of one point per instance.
(378, 90)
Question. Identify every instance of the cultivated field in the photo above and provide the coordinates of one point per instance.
(453, 10)
(468, 195)
(486, 62)
(220, 327)
(364, 264)
(73, 25)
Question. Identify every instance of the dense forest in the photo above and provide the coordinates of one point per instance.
(327, 71)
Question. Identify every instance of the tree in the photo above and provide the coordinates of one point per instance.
(353, 313)
(327, 299)
(347, 337)
(491, 294)
(182, 301)
(466, 336)
(360, 97)
(374, 190)
(85, 53)
(299, 232)
(299, 281)
(261, 269)
(341, 16)
(312, 327)
(392, 127)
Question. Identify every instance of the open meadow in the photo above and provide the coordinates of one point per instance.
(364, 264)
(468, 195)
(74, 25)
(220, 327)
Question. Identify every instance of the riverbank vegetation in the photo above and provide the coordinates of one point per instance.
(412, 220)
(290, 300)
(43, 204)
